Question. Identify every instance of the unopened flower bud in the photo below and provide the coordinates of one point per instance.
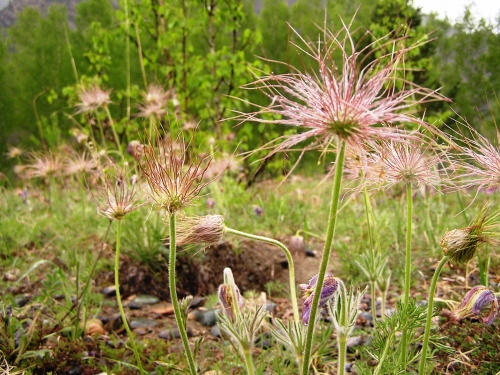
(479, 302)
(229, 296)
(330, 286)
(460, 244)
(297, 244)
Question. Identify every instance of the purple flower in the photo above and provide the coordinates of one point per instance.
(478, 302)
(229, 296)
(330, 286)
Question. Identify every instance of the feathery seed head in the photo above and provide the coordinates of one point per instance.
(174, 180)
(154, 103)
(115, 197)
(207, 229)
(13, 152)
(79, 163)
(45, 165)
(355, 101)
(93, 98)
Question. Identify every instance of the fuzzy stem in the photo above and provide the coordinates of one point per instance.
(430, 308)
(119, 299)
(342, 346)
(247, 355)
(383, 305)
(332, 220)
(173, 295)
(374, 302)
(289, 258)
(406, 300)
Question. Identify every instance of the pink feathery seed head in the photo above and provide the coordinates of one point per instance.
(45, 165)
(406, 162)
(174, 177)
(353, 100)
(115, 197)
(93, 98)
(79, 163)
(481, 167)
(154, 102)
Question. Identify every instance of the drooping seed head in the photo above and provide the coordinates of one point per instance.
(207, 229)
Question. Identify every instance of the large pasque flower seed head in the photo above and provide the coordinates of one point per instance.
(92, 98)
(174, 177)
(355, 100)
(330, 286)
(207, 229)
(479, 302)
(115, 197)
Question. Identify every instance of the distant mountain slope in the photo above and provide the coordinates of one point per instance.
(8, 15)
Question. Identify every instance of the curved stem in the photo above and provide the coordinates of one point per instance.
(406, 300)
(119, 299)
(289, 258)
(430, 308)
(332, 220)
(173, 295)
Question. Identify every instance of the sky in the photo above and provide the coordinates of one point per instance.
(487, 9)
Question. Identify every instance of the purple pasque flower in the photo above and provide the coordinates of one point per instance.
(354, 100)
(479, 302)
(330, 286)
(230, 297)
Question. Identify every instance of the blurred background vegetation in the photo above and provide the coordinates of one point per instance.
(204, 51)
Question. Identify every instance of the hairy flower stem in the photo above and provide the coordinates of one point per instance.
(115, 134)
(430, 308)
(374, 302)
(248, 362)
(288, 254)
(332, 220)
(342, 346)
(406, 300)
(383, 306)
(173, 295)
(119, 298)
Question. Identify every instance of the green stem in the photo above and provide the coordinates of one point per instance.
(406, 300)
(383, 306)
(119, 299)
(374, 302)
(342, 346)
(248, 362)
(430, 308)
(384, 354)
(115, 134)
(332, 220)
(289, 258)
(173, 295)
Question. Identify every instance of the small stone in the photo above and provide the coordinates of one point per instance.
(169, 334)
(271, 307)
(134, 306)
(310, 253)
(212, 372)
(206, 318)
(215, 331)
(141, 331)
(145, 299)
(114, 323)
(197, 302)
(143, 323)
(263, 341)
(354, 341)
(167, 310)
(21, 300)
(73, 371)
(109, 291)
